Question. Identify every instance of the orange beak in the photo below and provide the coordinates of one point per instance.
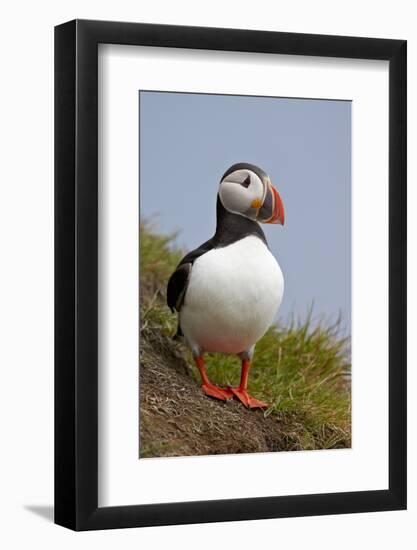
(278, 214)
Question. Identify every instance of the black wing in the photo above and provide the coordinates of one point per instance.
(177, 285)
(178, 282)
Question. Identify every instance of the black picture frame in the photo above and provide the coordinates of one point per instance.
(76, 272)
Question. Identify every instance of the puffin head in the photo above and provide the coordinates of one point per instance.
(245, 189)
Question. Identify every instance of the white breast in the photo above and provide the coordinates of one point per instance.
(232, 297)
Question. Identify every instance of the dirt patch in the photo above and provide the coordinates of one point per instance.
(176, 419)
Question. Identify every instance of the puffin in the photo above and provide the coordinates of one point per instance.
(227, 291)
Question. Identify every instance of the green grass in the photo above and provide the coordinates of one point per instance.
(157, 262)
(301, 368)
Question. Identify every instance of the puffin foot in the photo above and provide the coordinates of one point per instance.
(248, 400)
(217, 393)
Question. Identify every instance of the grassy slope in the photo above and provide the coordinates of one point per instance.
(303, 372)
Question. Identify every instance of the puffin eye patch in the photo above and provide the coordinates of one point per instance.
(246, 182)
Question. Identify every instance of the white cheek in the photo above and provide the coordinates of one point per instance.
(256, 189)
(235, 198)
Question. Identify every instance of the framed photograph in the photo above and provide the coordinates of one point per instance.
(230, 253)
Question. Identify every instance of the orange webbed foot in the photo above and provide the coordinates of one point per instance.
(217, 393)
(248, 400)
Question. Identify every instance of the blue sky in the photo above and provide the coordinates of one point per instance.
(187, 141)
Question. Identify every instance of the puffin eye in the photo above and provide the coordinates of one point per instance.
(246, 182)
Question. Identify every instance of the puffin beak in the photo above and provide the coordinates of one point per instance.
(272, 209)
(278, 214)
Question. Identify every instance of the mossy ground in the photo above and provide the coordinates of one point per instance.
(301, 369)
